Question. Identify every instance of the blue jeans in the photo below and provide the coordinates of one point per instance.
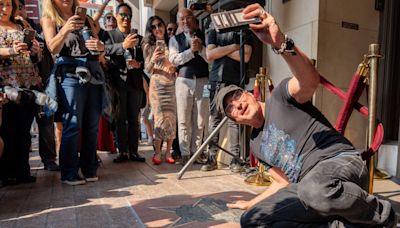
(335, 189)
(80, 121)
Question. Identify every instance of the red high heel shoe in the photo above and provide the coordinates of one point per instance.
(170, 160)
(155, 160)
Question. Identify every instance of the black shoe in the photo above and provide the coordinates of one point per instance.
(136, 157)
(236, 168)
(77, 180)
(51, 166)
(121, 158)
(26, 179)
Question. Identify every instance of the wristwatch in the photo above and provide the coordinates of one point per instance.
(286, 47)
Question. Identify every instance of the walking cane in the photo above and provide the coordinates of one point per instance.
(205, 143)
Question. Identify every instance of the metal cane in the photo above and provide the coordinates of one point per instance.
(205, 143)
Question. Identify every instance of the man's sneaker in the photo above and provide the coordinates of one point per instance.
(236, 168)
(92, 179)
(210, 165)
(51, 166)
(77, 180)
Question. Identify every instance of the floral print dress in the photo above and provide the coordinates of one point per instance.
(17, 71)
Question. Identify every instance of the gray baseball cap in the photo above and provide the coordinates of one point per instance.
(219, 101)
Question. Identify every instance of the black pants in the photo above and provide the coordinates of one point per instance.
(15, 130)
(130, 100)
(47, 145)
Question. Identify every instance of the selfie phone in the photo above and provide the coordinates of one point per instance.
(198, 6)
(81, 11)
(232, 21)
(161, 45)
(29, 35)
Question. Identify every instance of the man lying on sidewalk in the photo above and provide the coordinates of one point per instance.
(319, 177)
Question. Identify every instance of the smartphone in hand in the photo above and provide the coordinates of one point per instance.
(161, 45)
(29, 36)
(81, 12)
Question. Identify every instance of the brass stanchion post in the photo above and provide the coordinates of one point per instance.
(261, 178)
(374, 56)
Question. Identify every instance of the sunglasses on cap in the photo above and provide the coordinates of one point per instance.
(125, 15)
(156, 25)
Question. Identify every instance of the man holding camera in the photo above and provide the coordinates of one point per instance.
(187, 53)
(126, 76)
(319, 178)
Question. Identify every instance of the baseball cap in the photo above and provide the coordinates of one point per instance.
(221, 95)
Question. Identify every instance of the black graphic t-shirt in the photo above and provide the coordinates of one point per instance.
(295, 136)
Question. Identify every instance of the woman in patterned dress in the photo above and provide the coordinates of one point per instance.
(16, 70)
(162, 87)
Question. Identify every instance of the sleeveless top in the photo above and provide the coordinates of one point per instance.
(74, 44)
(17, 71)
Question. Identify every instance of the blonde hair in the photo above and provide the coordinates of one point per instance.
(51, 11)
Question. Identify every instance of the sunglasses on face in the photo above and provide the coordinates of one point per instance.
(125, 16)
(237, 96)
(159, 25)
(110, 18)
(170, 29)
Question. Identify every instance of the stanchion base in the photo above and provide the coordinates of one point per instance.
(381, 174)
(259, 179)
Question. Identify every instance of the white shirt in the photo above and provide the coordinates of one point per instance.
(179, 58)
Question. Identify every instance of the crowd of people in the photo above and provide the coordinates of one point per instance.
(108, 74)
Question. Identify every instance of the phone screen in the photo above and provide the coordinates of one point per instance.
(161, 45)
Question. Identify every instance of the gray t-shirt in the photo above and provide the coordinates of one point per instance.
(295, 136)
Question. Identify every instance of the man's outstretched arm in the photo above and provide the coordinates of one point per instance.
(305, 77)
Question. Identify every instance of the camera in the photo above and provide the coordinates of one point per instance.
(12, 94)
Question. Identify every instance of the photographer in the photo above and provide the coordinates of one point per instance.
(319, 178)
(77, 81)
(126, 70)
(18, 71)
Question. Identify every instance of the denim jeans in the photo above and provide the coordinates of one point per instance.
(192, 112)
(130, 100)
(80, 120)
(335, 189)
(215, 119)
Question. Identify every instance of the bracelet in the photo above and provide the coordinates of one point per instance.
(286, 47)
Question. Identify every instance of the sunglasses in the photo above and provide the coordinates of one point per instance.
(125, 15)
(170, 29)
(157, 25)
(110, 18)
(237, 96)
